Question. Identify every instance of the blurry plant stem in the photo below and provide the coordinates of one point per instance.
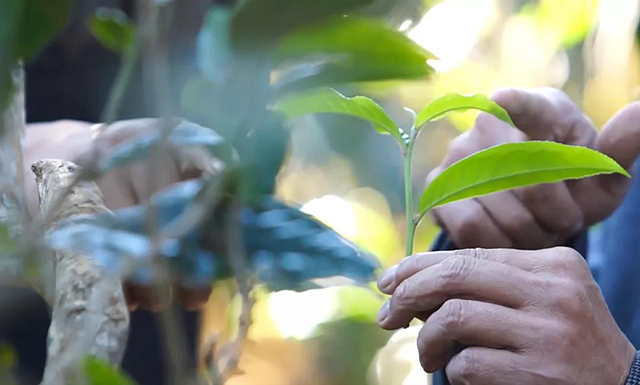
(237, 259)
(119, 88)
(155, 64)
(125, 72)
(408, 193)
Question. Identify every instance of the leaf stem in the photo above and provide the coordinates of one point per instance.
(408, 192)
(128, 64)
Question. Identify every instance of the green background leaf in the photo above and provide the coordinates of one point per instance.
(113, 29)
(260, 23)
(353, 49)
(99, 372)
(514, 165)
(40, 21)
(25, 27)
(7, 244)
(441, 106)
(330, 101)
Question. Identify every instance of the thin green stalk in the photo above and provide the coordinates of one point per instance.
(125, 73)
(408, 192)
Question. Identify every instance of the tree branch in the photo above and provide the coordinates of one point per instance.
(90, 315)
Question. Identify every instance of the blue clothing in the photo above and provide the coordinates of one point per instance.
(613, 252)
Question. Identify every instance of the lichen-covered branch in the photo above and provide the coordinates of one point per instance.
(90, 316)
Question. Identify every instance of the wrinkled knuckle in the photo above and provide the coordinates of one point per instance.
(454, 314)
(569, 223)
(466, 367)
(571, 297)
(568, 259)
(456, 269)
(475, 253)
(402, 296)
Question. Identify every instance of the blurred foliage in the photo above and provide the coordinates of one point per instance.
(7, 243)
(100, 373)
(113, 29)
(346, 349)
(25, 27)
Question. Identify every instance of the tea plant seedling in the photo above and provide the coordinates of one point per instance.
(495, 169)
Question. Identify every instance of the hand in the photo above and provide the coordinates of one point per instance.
(527, 317)
(81, 143)
(544, 215)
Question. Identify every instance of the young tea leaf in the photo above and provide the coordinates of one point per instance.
(101, 373)
(514, 165)
(113, 29)
(439, 107)
(330, 101)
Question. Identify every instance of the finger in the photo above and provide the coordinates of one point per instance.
(469, 323)
(485, 366)
(152, 298)
(533, 261)
(152, 175)
(620, 139)
(516, 221)
(488, 131)
(196, 162)
(117, 188)
(547, 114)
(553, 207)
(193, 299)
(132, 303)
(469, 225)
(459, 277)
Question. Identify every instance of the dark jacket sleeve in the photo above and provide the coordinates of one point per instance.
(444, 243)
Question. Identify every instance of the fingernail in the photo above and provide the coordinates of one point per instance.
(387, 279)
(384, 312)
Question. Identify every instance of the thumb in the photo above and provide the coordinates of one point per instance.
(620, 138)
(547, 114)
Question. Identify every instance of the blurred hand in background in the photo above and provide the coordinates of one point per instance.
(83, 144)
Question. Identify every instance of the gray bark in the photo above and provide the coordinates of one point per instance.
(90, 316)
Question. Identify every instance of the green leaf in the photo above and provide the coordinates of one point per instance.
(214, 54)
(352, 49)
(99, 372)
(514, 165)
(260, 23)
(7, 244)
(25, 27)
(113, 29)
(330, 101)
(441, 106)
(40, 21)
